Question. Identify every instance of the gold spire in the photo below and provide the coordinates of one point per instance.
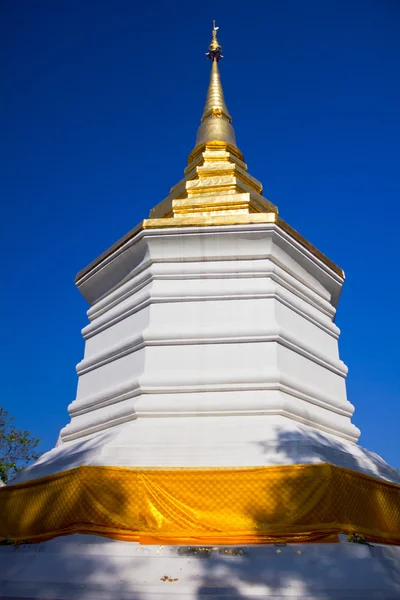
(217, 190)
(216, 120)
(216, 182)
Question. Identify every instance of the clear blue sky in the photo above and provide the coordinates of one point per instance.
(99, 107)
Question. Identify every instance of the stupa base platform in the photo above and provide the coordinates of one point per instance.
(95, 568)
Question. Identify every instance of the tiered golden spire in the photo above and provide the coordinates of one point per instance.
(217, 189)
(216, 182)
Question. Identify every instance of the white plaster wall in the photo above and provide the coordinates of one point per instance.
(207, 321)
(219, 440)
(89, 567)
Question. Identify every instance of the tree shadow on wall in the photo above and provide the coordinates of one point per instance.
(91, 567)
(313, 446)
(309, 570)
(68, 566)
(76, 566)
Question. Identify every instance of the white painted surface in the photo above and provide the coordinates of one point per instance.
(210, 441)
(86, 567)
(221, 320)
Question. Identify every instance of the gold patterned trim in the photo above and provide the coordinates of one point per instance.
(215, 146)
(253, 505)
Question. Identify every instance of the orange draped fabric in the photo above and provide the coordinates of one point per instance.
(295, 503)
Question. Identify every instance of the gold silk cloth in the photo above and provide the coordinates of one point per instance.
(296, 503)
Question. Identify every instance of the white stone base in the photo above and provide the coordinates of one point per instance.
(88, 567)
(213, 441)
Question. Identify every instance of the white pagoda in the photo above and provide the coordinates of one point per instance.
(210, 452)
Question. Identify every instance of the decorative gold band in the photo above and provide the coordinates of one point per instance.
(215, 145)
(297, 503)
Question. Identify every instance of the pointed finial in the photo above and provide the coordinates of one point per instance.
(214, 49)
(216, 121)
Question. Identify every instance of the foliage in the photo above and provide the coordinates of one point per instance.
(357, 538)
(17, 448)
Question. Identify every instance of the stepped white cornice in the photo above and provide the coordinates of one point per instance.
(241, 316)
